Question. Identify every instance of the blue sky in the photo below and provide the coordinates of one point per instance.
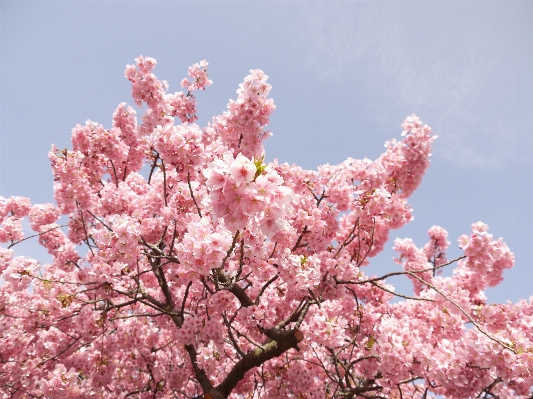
(344, 77)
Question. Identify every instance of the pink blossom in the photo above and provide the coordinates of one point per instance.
(192, 267)
(242, 170)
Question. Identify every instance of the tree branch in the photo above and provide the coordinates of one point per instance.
(283, 341)
(192, 195)
(200, 374)
(506, 346)
(36, 235)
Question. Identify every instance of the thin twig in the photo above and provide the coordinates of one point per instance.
(230, 250)
(164, 182)
(185, 298)
(264, 287)
(94, 216)
(297, 245)
(114, 173)
(153, 166)
(192, 195)
(398, 273)
(85, 230)
(36, 235)
(506, 346)
(346, 242)
(400, 295)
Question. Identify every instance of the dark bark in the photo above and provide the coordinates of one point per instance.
(285, 340)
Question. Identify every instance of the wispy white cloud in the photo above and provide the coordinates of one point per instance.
(449, 62)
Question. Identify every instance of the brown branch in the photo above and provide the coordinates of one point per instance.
(293, 317)
(273, 250)
(185, 298)
(284, 340)
(63, 282)
(361, 359)
(318, 200)
(105, 225)
(200, 374)
(231, 337)
(168, 306)
(174, 235)
(506, 346)
(36, 235)
(348, 239)
(297, 245)
(59, 354)
(337, 371)
(192, 195)
(397, 273)
(360, 261)
(114, 173)
(264, 287)
(235, 289)
(85, 229)
(153, 167)
(400, 295)
(230, 250)
(207, 287)
(241, 262)
(303, 313)
(230, 284)
(138, 315)
(164, 181)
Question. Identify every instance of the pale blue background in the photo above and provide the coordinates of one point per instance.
(344, 76)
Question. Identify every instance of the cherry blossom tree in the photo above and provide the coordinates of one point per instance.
(210, 273)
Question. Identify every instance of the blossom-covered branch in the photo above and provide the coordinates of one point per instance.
(214, 273)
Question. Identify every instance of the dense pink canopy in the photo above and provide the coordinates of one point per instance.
(213, 274)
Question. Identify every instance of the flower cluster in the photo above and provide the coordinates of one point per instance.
(241, 126)
(245, 193)
(486, 259)
(203, 247)
(11, 211)
(179, 146)
(147, 88)
(198, 73)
